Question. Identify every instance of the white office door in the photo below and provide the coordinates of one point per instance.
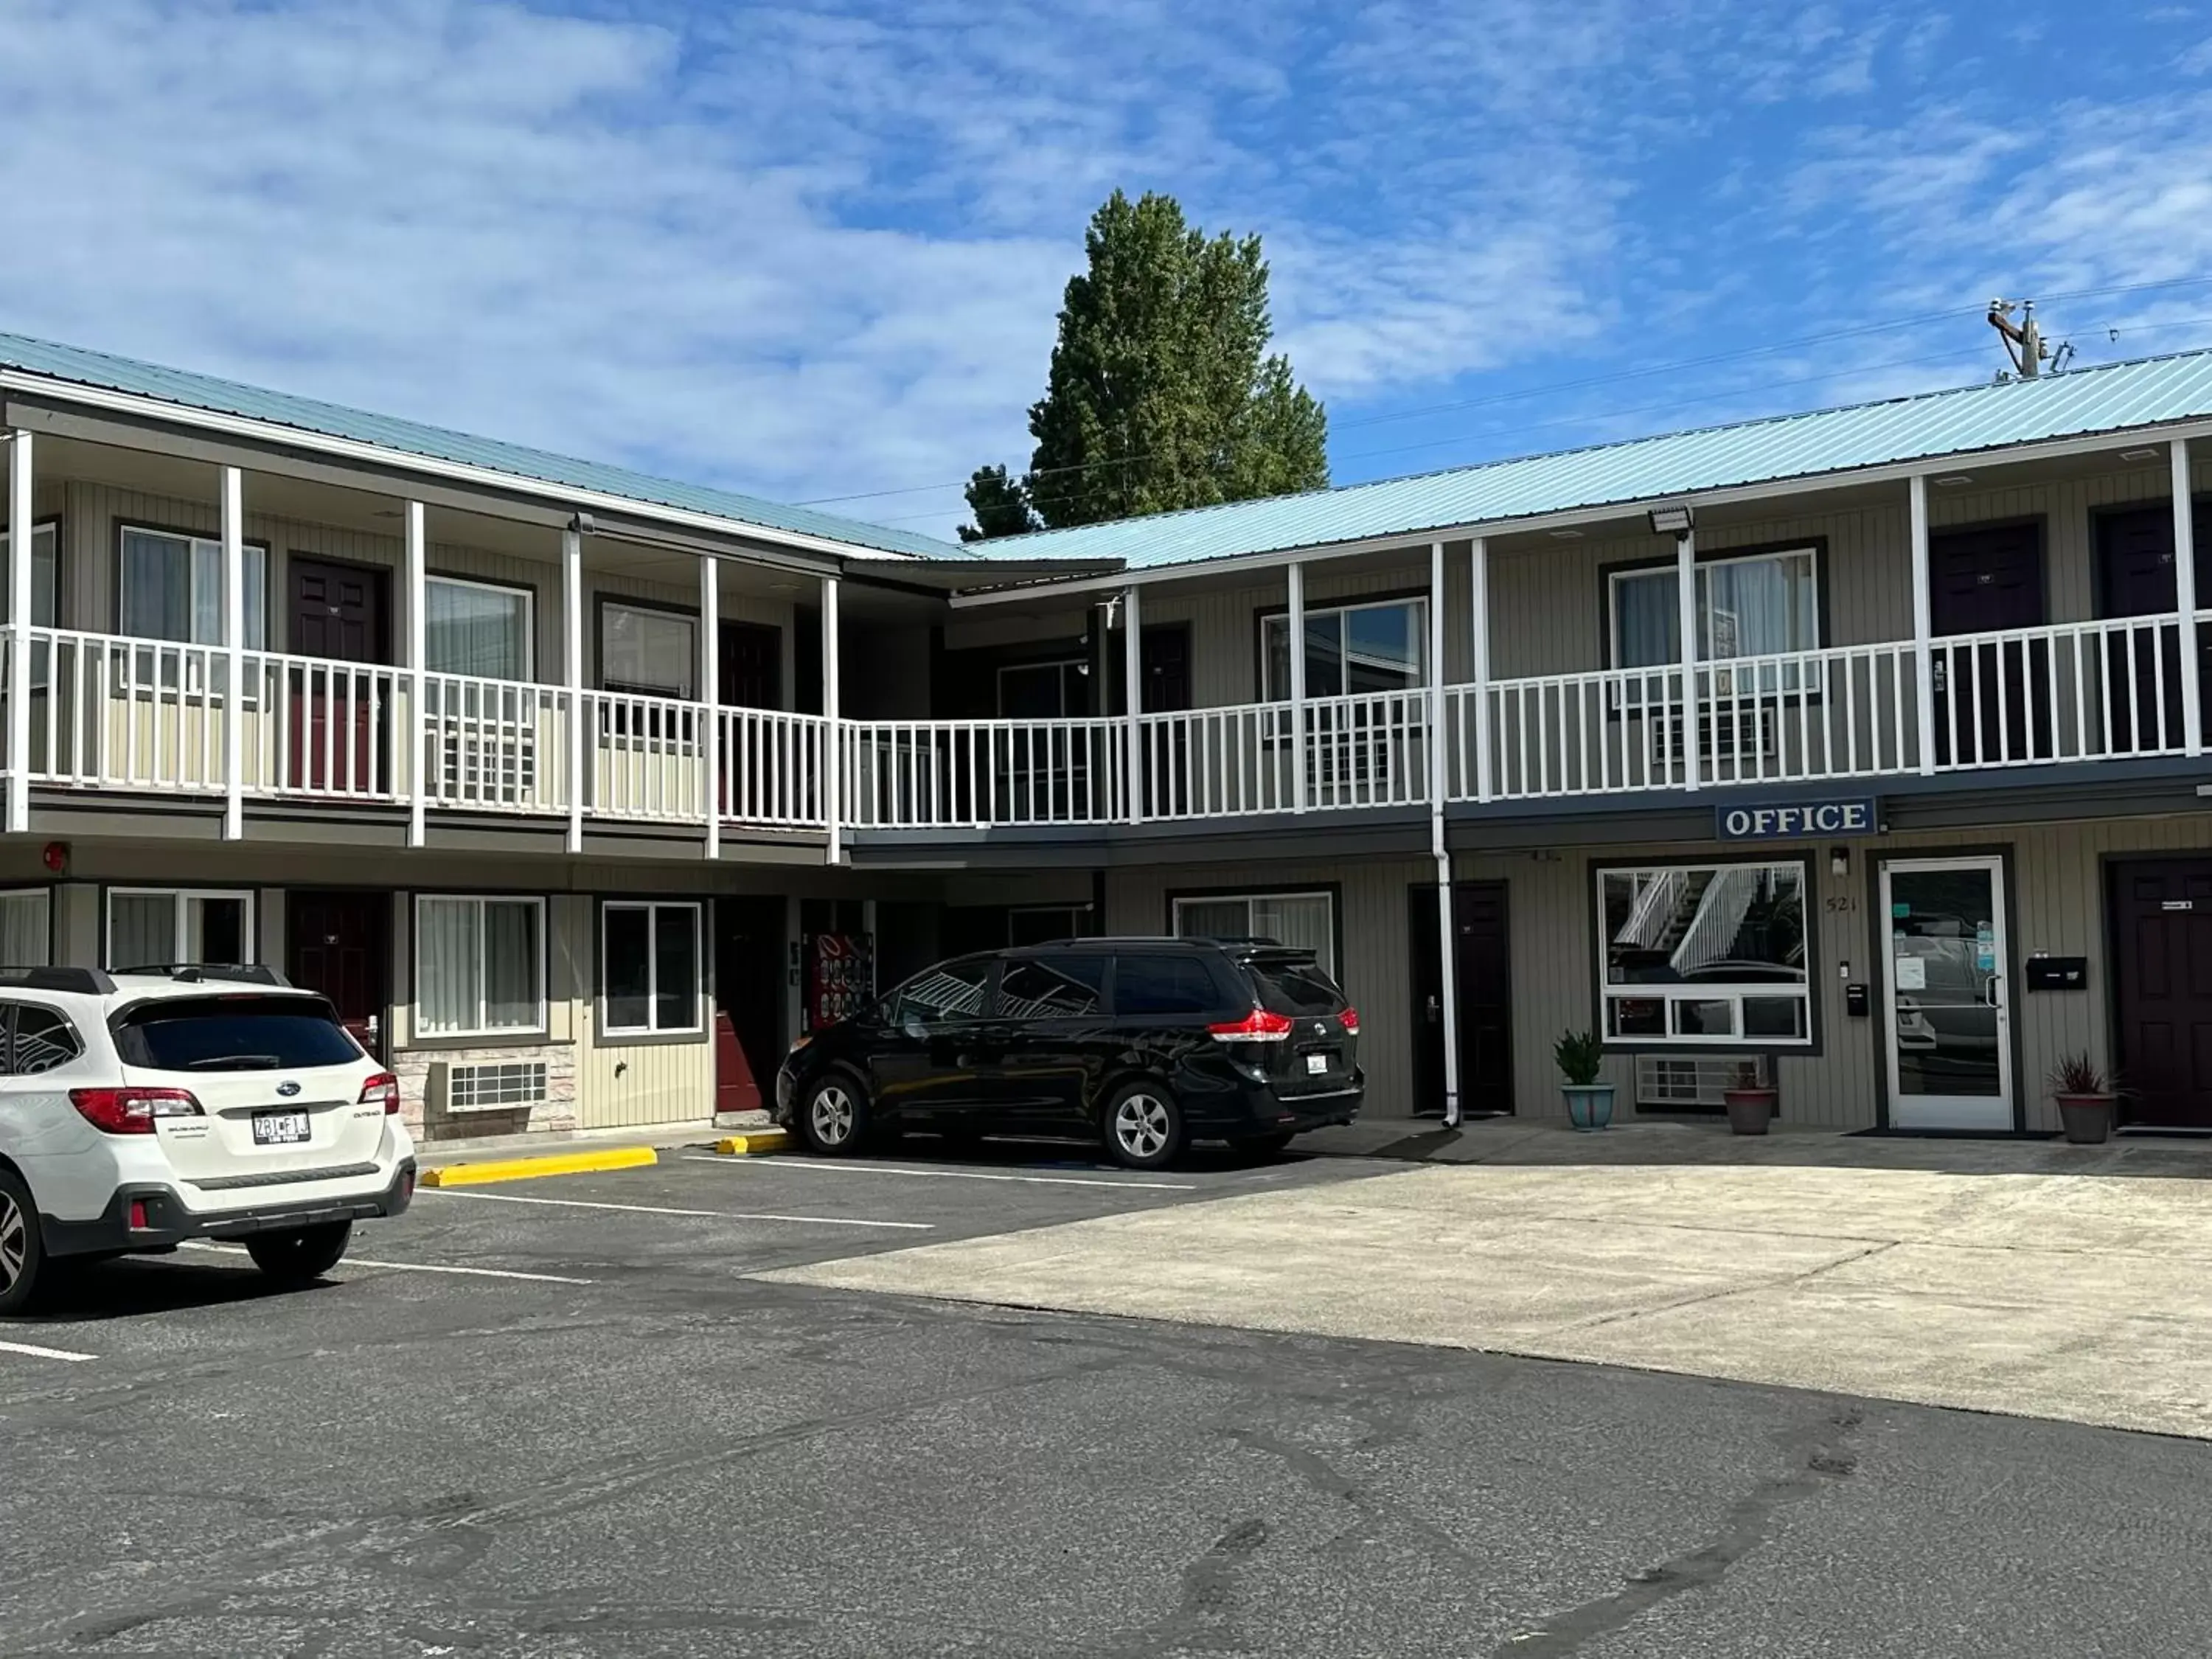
(1947, 992)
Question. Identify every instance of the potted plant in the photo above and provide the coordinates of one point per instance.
(2085, 1099)
(1750, 1102)
(1589, 1102)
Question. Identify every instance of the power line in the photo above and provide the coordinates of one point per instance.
(1523, 393)
(1978, 352)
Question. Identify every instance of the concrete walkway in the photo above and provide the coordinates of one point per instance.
(2020, 1277)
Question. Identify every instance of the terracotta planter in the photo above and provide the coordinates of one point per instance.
(1590, 1105)
(1750, 1110)
(2087, 1118)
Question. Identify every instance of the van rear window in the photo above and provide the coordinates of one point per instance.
(233, 1033)
(1293, 986)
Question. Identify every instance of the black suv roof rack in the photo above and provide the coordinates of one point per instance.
(1158, 941)
(88, 982)
(192, 973)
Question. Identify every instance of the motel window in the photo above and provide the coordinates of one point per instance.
(476, 629)
(479, 965)
(43, 612)
(653, 652)
(1758, 605)
(171, 588)
(1306, 922)
(26, 929)
(649, 968)
(1705, 955)
(1350, 649)
(1044, 690)
(155, 927)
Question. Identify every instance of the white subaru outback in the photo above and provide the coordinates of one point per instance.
(161, 1105)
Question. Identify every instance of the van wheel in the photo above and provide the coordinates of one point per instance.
(1144, 1127)
(301, 1257)
(833, 1116)
(23, 1250)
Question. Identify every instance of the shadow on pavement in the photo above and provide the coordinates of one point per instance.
(83, 1293)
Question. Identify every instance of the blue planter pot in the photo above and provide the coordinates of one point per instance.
(1590, 1105)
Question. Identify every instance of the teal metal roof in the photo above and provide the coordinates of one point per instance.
(205, 393)
(2110, 398)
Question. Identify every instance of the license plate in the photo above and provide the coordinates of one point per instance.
(1316, 1065)
(281, 1129)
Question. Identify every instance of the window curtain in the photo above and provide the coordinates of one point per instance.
(1213, 919)
(43, 613)
(479, 631)
(142, 929)
(676, 968)
(510, 964)
(24, 934)
(648, 651)
(1760, 607)
(1646, 620)
(215, 930)
(448, 965)
(1302, 922)
(173, 590)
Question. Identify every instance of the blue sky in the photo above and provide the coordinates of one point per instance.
(816, 252)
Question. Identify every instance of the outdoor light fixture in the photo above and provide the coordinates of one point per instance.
(1839, 862)
(2139, 454)
(1954, 481)
(1672, 520)
(1566, 535)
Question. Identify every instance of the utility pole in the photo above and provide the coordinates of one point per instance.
(2023, 340)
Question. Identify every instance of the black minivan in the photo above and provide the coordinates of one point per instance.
(1144, 1044)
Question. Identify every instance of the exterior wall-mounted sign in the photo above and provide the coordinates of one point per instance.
(1754, 821)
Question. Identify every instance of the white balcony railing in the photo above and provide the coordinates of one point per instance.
(149, 716)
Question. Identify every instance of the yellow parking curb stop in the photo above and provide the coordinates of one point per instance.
(753, 1143)
(549, 1164)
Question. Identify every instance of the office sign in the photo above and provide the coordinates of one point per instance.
(1753, 821)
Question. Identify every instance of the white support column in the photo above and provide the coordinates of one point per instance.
(1477, 677)
(572, 674)
(2184, 596)
(833, 737)
(710, 695)
(1923, 623)
(21, 537)
(1133, 677)
(1296, 623)
(233, 640)
(1685, 595)
(418, 676)
(1448, 982)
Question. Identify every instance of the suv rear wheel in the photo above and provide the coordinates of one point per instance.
(1144, 1125)
(303, 1256)
(22, 1251)
(834, 1117)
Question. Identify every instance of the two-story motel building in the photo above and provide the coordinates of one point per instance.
(1865, 745)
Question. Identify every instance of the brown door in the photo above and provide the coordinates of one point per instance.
(337, 944)
(1486, 998)
(338, 615)
(2134, 578)
(2162, 989)
(752, 666)
(1992, 697)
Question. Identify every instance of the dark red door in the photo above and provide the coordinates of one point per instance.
(2162, 990)
(1483, 965)
(338, 615)
(1993, 697)
(2134, 578)
(337, 944)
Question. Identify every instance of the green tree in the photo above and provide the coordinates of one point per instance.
(1160, 394)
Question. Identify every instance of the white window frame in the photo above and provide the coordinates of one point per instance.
(608, 606)
(123, 528)
(46, 537)
(1733, 993)
(1247, 899)
(1416, 602)
(479, 1030)
(1706, 653)
(529, 598)
(46, 897)
(652, 908)
(179, 945)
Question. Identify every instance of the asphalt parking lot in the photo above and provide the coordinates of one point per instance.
(558, 1417)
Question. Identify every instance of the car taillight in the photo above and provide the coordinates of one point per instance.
(1349, 1020)
(382, 1088)
(1260, 1026)
(132, 1111)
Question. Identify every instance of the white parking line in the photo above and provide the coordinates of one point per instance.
(942, 1175)
(37, 1352)
(661, 1209)
(408, 1267)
